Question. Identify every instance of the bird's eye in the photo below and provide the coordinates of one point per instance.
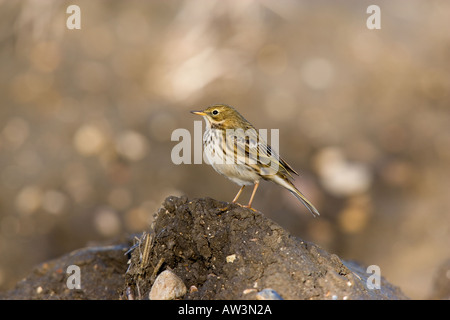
(215, 112)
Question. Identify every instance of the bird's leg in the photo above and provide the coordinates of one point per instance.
(238, 194)
(253, 194)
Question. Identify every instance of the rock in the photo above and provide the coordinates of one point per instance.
(230, 258)
(167, 286)
(268, 294)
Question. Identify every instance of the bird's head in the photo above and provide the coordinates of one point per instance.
(223, 116)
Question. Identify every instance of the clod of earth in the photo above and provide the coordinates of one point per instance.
(226, 251)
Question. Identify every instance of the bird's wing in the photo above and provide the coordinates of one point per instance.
(251, 149)
(269, 158)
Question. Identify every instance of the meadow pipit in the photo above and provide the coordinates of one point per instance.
(236, 150)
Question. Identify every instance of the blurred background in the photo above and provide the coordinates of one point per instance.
(86, 118)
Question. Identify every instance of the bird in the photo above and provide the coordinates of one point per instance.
(236, 150)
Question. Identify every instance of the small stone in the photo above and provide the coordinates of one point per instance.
(231, 258)
(268, 294)
(247, 291)
(167, 286)
(39, 290)
(129, 293)
(193, 289)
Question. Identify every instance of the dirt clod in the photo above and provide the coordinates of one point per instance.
(223, 249)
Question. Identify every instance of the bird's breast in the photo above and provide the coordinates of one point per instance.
(215, 151)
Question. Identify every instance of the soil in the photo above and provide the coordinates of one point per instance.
(102, 272)
(219, 250)
(225, 251)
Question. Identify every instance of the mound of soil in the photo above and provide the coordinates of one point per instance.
(224, 251)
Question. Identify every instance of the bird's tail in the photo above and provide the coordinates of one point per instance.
(290, 186)
(305, 201)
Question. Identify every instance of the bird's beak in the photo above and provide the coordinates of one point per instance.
(200, 113)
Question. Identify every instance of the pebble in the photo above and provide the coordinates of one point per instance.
(247, 291)
(167, 286)
(231, 258)
(268, 294)
(193, 289)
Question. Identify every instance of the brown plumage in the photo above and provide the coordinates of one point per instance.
(235, 149)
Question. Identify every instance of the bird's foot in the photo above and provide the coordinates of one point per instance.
(249, 207)
(244, 206)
